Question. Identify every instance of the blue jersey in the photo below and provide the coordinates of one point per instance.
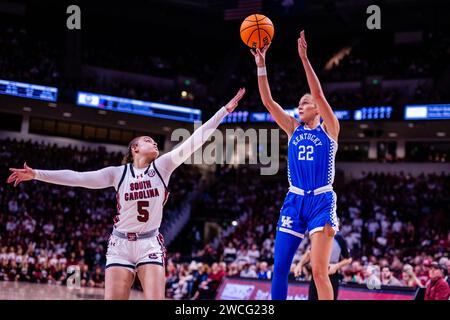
(311, 155)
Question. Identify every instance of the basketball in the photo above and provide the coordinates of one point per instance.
(256, 31)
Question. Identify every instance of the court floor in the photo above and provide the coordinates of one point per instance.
(34, 291)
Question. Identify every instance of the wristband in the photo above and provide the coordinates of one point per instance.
(262, 71)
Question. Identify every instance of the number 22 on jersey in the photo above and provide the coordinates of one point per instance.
(306, 153)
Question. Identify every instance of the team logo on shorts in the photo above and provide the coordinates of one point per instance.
(286, 222)
(151, 173)
(153, 256)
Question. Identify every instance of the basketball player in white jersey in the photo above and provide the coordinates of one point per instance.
(135, 245)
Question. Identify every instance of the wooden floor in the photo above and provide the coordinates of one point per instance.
(34, 291)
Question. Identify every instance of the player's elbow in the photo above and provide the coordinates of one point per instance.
(266, 98)
(318, 96)
(268, 103)
(265, 101)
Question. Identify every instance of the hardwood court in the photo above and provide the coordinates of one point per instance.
(34, 291)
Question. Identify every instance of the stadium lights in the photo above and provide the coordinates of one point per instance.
(392, 134)
(427, 112)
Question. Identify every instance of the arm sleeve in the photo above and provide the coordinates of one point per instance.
(100, 179)
(343, 244)
(168, 162)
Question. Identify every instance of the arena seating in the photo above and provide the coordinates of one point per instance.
(44, 228)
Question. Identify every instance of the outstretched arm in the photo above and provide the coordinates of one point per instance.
(304, 260)
(168, 162)
(99, 179)
(284, 121)
(325, 111)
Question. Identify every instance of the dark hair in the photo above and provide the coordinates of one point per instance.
(128, 158)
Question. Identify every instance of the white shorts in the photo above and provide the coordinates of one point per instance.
(133, 254)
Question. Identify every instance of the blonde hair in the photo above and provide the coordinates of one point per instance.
(128, 158)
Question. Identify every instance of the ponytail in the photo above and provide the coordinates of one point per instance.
(128, 157)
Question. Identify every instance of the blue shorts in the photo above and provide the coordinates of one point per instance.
(301, 213)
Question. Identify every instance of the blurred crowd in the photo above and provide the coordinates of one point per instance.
(418, 61)
(395, 226)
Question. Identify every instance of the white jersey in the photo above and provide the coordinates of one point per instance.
(141, 195)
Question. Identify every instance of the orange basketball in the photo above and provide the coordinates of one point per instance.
(257, 30)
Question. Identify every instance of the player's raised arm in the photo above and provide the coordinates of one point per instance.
(99, 179)
(171, 160)
(284, 121)
(325, 111)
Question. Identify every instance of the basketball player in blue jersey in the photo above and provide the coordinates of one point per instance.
(310, 204)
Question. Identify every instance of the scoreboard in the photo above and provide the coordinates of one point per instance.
(427, 112)
(373, 113)
(187, 114)
(28, 90)
(139, 107)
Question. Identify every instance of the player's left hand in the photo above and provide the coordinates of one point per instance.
(333, 268)
(233, 103)
(19, 175)
(302, 46)
(298, 270)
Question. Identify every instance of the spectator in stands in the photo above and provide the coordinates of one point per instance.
(254, 254)
(264, 273)
(97, 279)
(229, 253)
(437, 288)
(203, 292)
(388, 279)
(248, 271)
(357, 272)
(409, 277)
(215, 276)
(233, 270)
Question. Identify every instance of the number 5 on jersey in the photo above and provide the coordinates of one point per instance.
(143, 213)
(309, 150)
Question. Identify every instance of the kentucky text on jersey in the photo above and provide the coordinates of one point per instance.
(307, 136)
(142, 194)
